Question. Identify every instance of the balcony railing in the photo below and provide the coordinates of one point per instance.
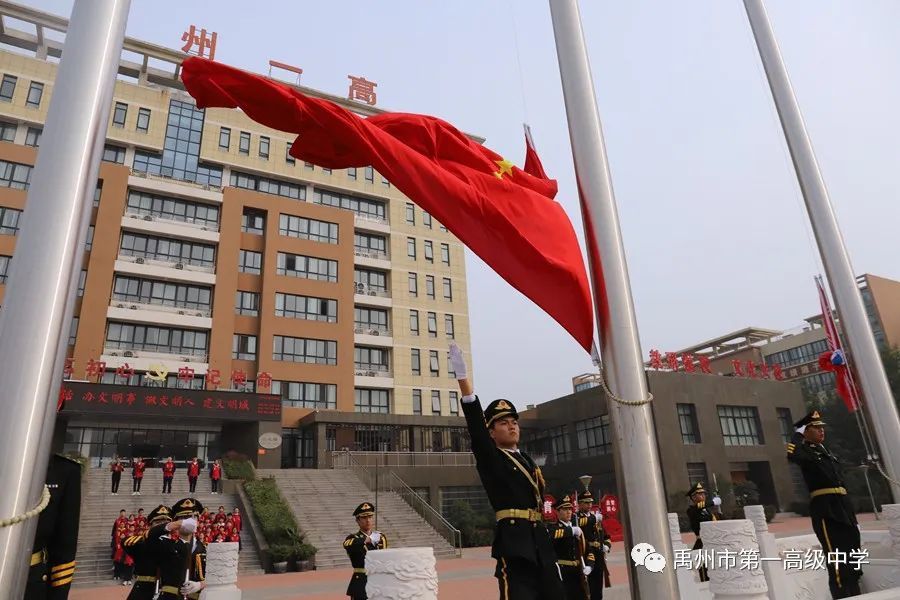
(367, 329)
(364, 290)
(173, 263)
(376, 254)
(125, 350)
(149, 215)
(125, 301)
(201, 186)
(371, 371)
(371, 218)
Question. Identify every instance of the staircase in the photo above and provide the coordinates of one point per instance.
(323, 501)
(99, 510)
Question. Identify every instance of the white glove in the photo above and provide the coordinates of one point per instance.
(587, 570)
(191, 587)
(458, 362)
(375, 536)
(801, 429)
(189, 525)
(606, 548)
(717, 501)
(576, 530)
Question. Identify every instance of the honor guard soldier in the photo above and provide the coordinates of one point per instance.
(569, 545)
(833, 518)
(53, 554)
(357, 544)
(526, 563)
(182, 561)
(698, 512)
(597, 542)
(145, 562)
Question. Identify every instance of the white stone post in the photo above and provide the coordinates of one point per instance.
(688, 581)
(401, 573)
(221, 572)
(891, 515)
(731, 575)
(773, 570)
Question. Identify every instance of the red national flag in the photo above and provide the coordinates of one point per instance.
(505, 215)
(834, 359)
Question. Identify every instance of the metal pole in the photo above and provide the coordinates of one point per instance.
(862, 348)
(40, 294)
(638, 472)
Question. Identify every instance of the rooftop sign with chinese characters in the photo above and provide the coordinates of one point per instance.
(136, 401)
(690, 363)
(198, 44)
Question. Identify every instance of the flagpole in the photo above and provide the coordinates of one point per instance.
(638, 472)
(40, 293)
(862, 347)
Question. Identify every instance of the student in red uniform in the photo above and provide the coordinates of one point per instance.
(193, 473)
(215, 474)
(140, 522)
(116, 468)
(220, 517)
(168, 470)
(137, 475)
(238, 523)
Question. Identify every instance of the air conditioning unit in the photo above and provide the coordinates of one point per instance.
(180, 312)
(148, 217)
(360, 373)
(120, 306)
(371, 373)
(358, 330)
(186, 359)
(139, 260)
(179, 265)
(199, 314)
(374, 332)
(128, 354)
(113, 353)
(133, 307)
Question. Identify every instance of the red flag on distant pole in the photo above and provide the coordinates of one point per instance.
(834, 359)
(533, 164)
(504, 214)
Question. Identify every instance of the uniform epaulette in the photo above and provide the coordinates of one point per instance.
(790, 448)
(69, 458)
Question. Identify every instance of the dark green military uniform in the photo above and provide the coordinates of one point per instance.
(145, 562)
(177, 558)
(832, 514)
(356, 546)
(526, 563)
(56, 540)
(597, 543)
(698, 512)
(570, 552)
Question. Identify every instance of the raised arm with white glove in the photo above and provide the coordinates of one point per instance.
(375, 536)
(458, 364)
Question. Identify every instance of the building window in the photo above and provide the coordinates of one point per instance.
(306, 267)
(250, 262)
(287, 155)
(152, 338)
(429, 251)
(247, 303)
(164, 293)
(818, 383)
(417, 402)
(8, 88)
(370, 174)
(253, 221)
(304, 350)
(553, 442)
(410, 213)
(450, 371)
(244, 143)
(224, 137)
(740, 425)
(786, 422)
(351, 173)
(143, 120)
(4, 267)
(267, 185)
(385, 182)
(308, 229)
(687, 419)
(414, 322)
(426, 219)
(798, 355)
(309, 165)
(369, 282)
(592, 437)
(411, 247)
(435, 402)
(167, 250)
(429, 286)
(364, 207)
(371, 401)
(697, 473)
(416, 361)
(448, 290)
(35, 93)
(9, 220)
(33, 136)
(7, 132)
(14, 175)
(82, 277)
(432, 325)
(445, 254)
(373, 360)
(173, 209)
(370, 245)
(97, 192)
(119, 114)
(73, 331)
(454, 403)
(326, 170)
(300, 394)
(434, 364)
(413, 285)
(243, 347)
(448, 326)
(309, 308)
(372, 321)
(89, 242)
(264, 144)
(114, 154)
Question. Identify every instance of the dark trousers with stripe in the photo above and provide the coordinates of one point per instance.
(521, 579)
(834, 536)
(142, 590)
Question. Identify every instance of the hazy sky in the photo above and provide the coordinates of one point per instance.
(715, 232)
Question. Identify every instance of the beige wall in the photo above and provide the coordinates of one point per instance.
(886, 294)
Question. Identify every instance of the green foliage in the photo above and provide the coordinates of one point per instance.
(279, 528)
(238, 468)
(477, 528)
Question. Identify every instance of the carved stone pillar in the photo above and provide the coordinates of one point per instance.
(732, 574)
(401, 574)
(688, 582)
(221, 572)
(768, 548)
(891, 515)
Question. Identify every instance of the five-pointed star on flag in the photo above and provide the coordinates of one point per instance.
(505, 167)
